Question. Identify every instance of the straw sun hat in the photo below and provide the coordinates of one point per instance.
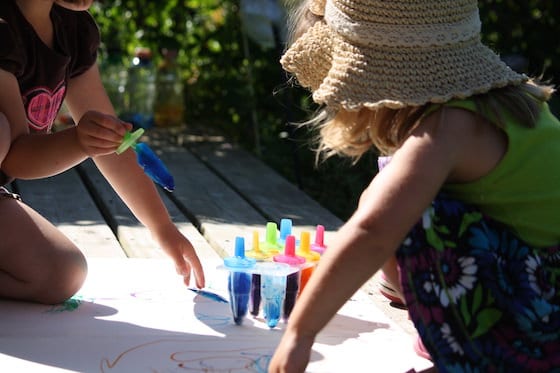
(374, 53)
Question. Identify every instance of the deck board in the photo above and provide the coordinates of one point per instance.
(263, 187)
(217, 210)
(240, 193)
(132, 235)
(64, 200)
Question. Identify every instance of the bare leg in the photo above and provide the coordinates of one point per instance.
(5, 137)
(37, 262)
(391, 272)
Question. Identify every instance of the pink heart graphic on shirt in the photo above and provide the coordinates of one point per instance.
(43, 107)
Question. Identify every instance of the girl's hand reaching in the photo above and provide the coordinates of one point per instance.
(100, 134)
(180, 249)
(292, 354)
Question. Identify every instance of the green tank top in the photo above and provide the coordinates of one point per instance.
(523, 190)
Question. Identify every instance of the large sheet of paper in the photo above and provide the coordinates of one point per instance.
(135, 315)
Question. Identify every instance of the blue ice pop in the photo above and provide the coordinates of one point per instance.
(147, 159)
(273, 292)
(239, 280)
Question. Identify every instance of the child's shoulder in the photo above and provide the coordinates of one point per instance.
(74, 19)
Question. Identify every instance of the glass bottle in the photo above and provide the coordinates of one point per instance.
(113, 76)
(169, 103)
(140, 90)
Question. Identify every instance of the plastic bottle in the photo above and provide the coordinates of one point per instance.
(169, 102)
(113, 76)
(140, 90)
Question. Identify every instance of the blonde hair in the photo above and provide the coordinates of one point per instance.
(353, 133)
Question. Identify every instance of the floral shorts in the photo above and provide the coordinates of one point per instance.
(481, 299)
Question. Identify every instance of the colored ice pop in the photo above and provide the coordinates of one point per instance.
(273, 290)
(147, 159)
(285, 230)
(310, 256)
(292, 281)
(259, 255)
(319, 244)
(270, 244)
(239, 280)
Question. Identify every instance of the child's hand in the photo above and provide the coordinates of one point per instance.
(100, 134)
(292, 354)
(180, 249)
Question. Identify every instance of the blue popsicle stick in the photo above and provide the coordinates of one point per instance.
(148, 160)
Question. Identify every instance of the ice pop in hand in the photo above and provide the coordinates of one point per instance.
(147, 159)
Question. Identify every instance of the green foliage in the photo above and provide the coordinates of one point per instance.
(528, 28)
(236, 87)
(216, 68)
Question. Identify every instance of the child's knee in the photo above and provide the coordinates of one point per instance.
(63, 279)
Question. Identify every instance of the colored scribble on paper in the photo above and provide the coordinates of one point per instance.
(68, 305)
(193, 355)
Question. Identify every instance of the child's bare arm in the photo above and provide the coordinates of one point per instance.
(41, 155)
(389, 207)
(86, 93)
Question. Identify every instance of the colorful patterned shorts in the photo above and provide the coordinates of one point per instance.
(481, 299)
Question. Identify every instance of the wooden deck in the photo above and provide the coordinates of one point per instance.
(221, 192)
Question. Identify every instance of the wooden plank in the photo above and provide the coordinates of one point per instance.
(134, 237)
(216, 209)
(255, 188)
(64, 200)
(263, 187)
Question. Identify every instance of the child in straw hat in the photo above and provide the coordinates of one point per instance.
(469, 204)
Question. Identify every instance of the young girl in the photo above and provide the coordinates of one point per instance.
(47, 55)
(470, 200)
